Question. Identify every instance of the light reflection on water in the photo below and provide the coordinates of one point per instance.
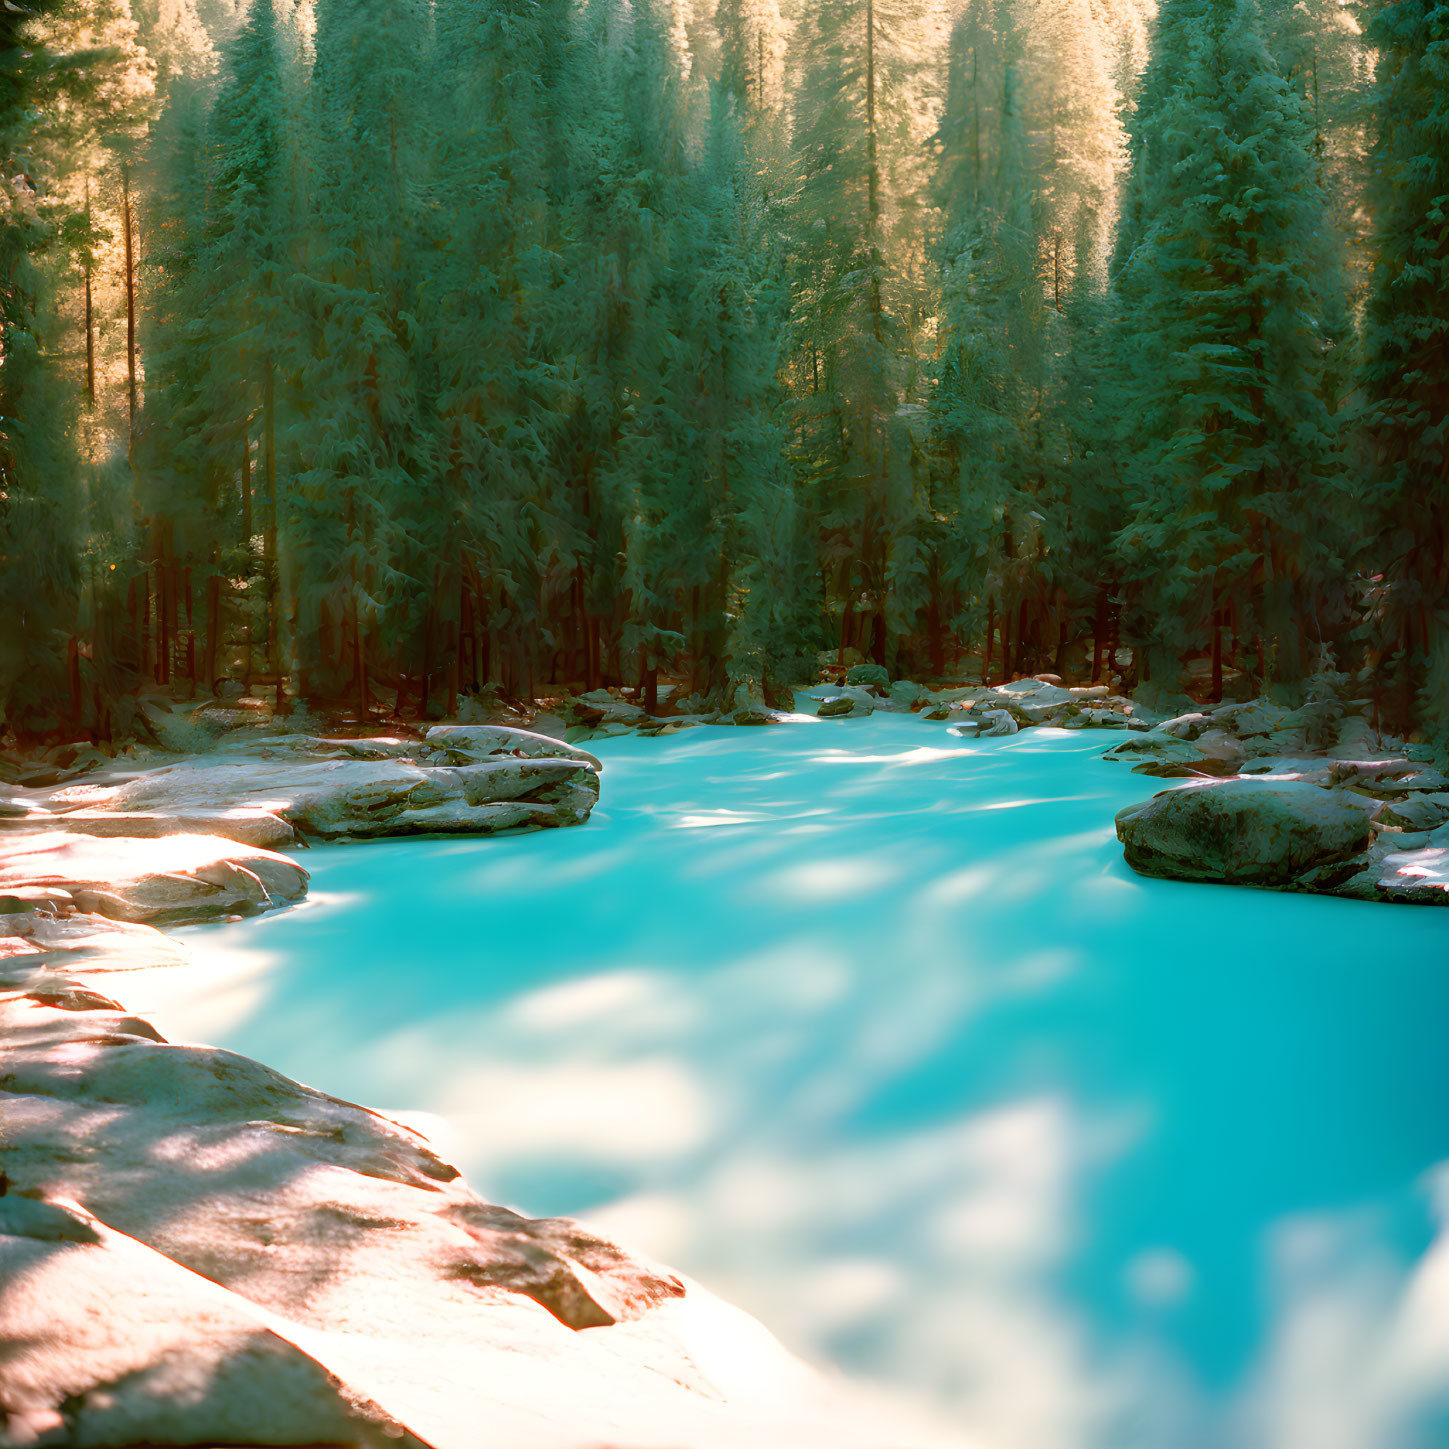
(881, 1040)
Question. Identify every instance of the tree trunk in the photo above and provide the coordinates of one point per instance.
(130, 259)
(1217, 694)
(269, 540)
(990, 635)
(934, 637)
(213, 627)
(90, 326)
(1099, 633)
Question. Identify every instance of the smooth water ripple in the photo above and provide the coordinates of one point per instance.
(871, 1030)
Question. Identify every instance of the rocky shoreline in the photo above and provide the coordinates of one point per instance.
(195, 1249)
(1310, 799)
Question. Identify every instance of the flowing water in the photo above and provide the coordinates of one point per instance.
(871, 1030)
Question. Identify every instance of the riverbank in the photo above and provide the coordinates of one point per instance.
(198, 1249)
(871, 1029)
(105, 1121)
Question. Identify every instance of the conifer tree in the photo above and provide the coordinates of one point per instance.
(1406, 367)
(1232, 440)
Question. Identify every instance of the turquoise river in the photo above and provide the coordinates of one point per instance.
(871, 1030)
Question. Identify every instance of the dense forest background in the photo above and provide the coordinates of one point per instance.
(358, 351)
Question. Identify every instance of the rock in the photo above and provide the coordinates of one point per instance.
(986, 724)
(758, 714)
(835, 705)
(1361, 772)
(1048, 678)
(937, 712)
(1355, 738)
(1185, 726)
(1313, 724)
(1413, 812)
(1034, 691)
(19, 900)
(250, 827)
(1242, 831)
(485, 742)
(1416, 876)
(876, 675)
(1202, 769)
(167, 880)
(1088, 691)
(197, 1250)
(673, 724)
(906, 692)
(1155, 745)
(1040, 714)
(1255, 717)
(366, 799)
(1220, 745)
(1103, 719)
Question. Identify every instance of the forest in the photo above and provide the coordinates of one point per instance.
(369, 357)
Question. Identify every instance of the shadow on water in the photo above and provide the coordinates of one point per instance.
(873, 1031)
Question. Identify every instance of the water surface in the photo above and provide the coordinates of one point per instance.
(871, 1030)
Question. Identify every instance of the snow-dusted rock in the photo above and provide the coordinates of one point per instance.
(173, 878)
(196, 1250)
(1185, 726)
(1243, 831)
(240, 823)
(368, 798)
(486, 742)
(986, 723)
(1420, 875)
(1034, 691)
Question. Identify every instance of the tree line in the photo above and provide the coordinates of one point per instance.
(372, 355)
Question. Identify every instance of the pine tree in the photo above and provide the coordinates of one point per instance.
(852, 365)
(1406, 371)
(1232, 471)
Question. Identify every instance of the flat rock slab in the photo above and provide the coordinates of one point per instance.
(248, 826)
(171, 879)
(1243, 831)
(1420, 877)
(197, 1250)
(368, 798)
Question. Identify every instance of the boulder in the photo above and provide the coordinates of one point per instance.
(1220, 745)
(172, 879)
(834, 706)
(1155, 745)
(1185, 726)
(871, 675)
(1416, 876)
(485, 742)
(1243, 831)
(1103, 719)
(1036, 691)
(985, 724)
(369, 798)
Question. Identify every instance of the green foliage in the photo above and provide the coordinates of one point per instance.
(1232, 444)
(522, 344)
